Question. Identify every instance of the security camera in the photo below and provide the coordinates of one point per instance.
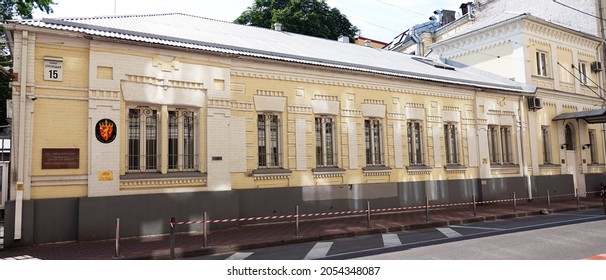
(32, 97)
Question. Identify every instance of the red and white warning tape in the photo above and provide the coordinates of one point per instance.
(392, 209)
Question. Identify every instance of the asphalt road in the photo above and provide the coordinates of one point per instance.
(557, 236)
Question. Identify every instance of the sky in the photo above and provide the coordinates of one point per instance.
(380, 20)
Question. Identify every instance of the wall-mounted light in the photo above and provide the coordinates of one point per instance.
(563, 146)
(586, 146)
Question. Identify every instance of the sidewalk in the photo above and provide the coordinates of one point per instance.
(248, 237)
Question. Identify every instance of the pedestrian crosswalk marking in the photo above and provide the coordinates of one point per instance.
(239, 256)
(391, 239)
(319, 250)
(449, 232)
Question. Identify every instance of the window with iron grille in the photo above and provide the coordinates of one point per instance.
(181, 136)
(142, 154)
(451, 143)
(373, 136)
(325, 141)
(144, 137)
(415, 143)
(499, 143)
(268, 136)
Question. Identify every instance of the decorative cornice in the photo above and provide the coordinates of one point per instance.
(468, 121)
(455, 169)
(325, 97)
(396, 116)
(348, 84)
(560, 35)
(437, 119)
(271, 177)
(273, 93)
(104, 94)
(242, 106)
(415, 105)
(451, 108)
(373, 101)
(351, 113)
(219, 103)
(144, 80)
(298, 109)
(162, 183)
(500, 112)
(419, 170)
(185, 84)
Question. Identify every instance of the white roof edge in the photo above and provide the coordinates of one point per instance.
(134, 35)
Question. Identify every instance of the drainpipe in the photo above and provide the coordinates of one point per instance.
(523, 150)
(21, 158)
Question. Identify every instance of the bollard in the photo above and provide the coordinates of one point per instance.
(117, 251)
(604, 203)
(297, 221)
(426, 209)
(514, 202)
(548, 200)
(368, 214)
(204, 229)
(473, 197)
(172, 238)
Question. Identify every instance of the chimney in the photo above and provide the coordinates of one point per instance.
(467, 9)
(447, 17)
(278, 26)
(464, 9)
(343, 39)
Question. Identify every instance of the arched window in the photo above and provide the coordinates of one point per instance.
(569, 138)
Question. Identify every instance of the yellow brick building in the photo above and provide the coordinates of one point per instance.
(147, 117)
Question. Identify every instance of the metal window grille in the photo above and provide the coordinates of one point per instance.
(268, 134)
(451, 143)
(415, 143)
(325, 146)
(373, 138)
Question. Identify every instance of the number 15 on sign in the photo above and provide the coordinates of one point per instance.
(53, 70)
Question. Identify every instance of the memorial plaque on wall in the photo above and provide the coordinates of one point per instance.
(60, 158)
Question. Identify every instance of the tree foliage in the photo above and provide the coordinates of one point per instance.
(11, 9)
(307, 17)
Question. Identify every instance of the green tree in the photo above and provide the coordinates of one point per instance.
(10, 9)
(307, 17)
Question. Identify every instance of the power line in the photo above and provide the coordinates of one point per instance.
(578, 79)
(392, 5)
(580, 11)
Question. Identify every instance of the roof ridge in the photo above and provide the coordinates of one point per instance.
(119, 17)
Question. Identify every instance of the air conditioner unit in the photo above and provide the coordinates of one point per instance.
(596, 66)
(534, 103)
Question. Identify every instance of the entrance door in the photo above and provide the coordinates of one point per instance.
(3, 184)
(573, 168)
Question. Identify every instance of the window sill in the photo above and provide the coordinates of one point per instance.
(419, 169)
(504, 166)
(455, 168)
(325, 172)
(542, 77)
(146, 180)
(271, 173)
(550, 166)
(377, 170)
